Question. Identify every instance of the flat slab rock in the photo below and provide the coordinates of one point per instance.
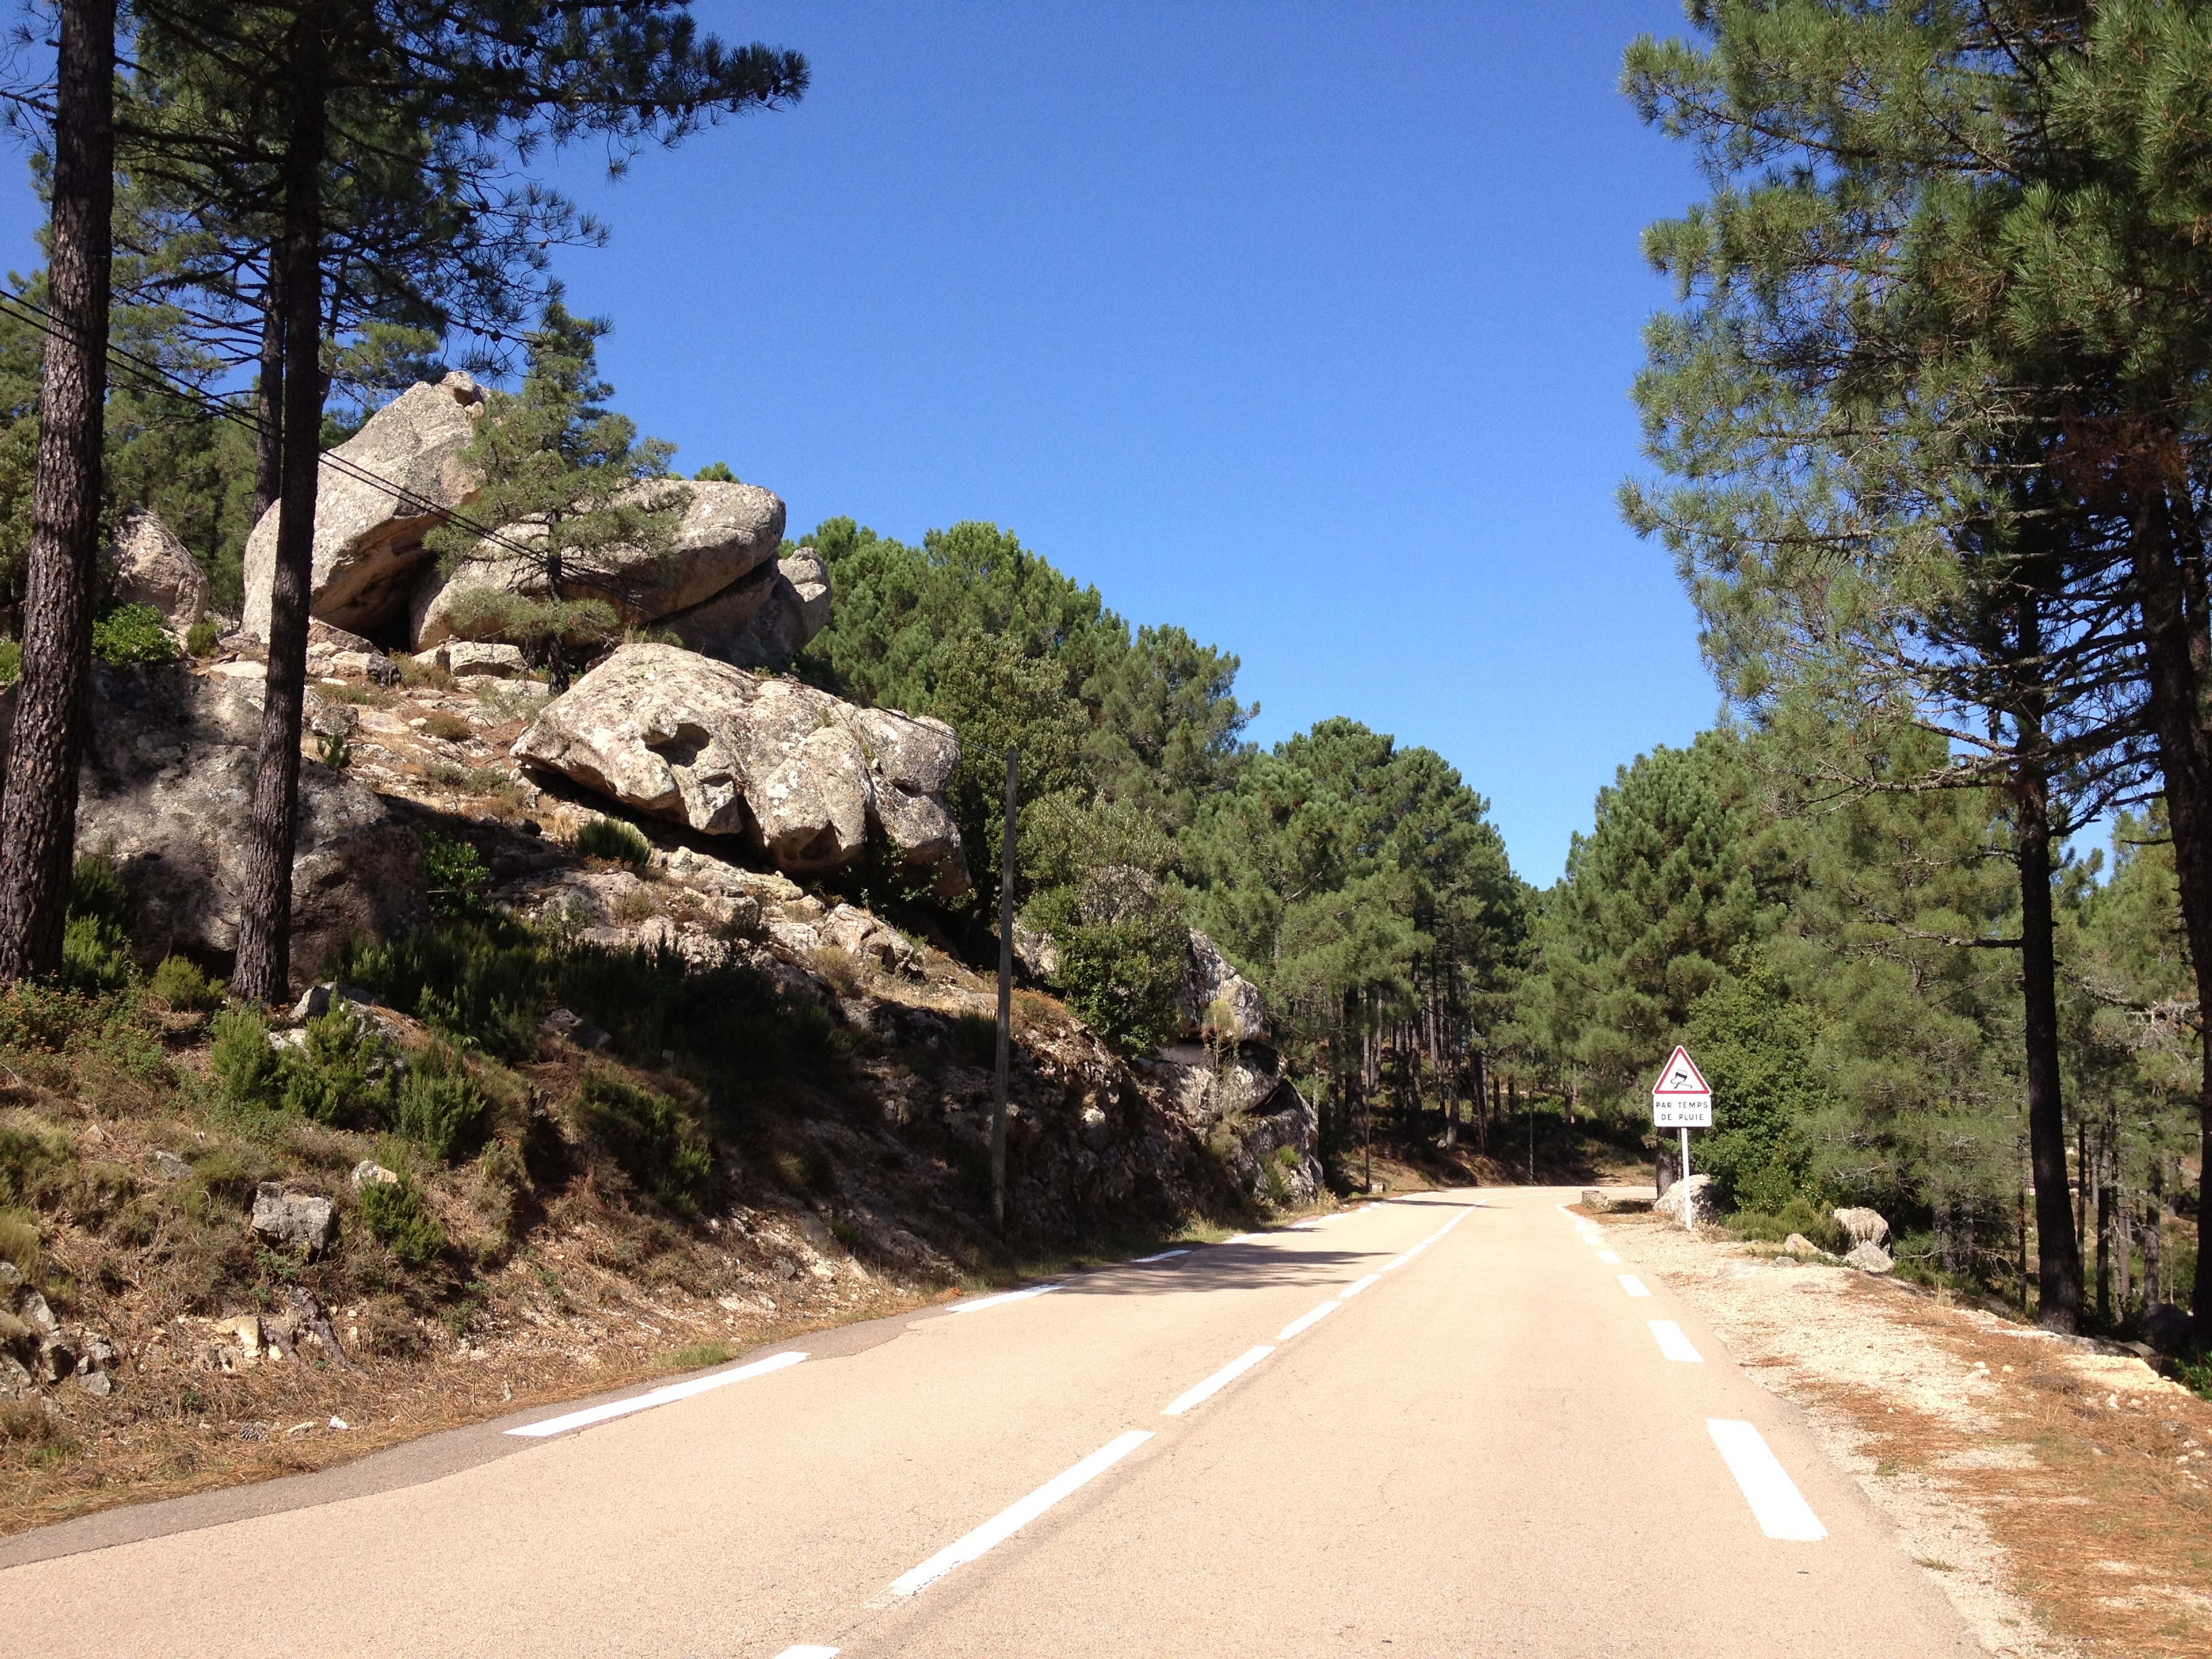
(803, 776)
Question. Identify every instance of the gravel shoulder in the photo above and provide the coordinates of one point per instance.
(2059, 1496)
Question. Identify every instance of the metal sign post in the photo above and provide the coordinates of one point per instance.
(1681, 1100)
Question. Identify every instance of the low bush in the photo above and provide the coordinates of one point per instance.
(11, 660)
(839, 968)
(448, 728)
(1799, 1215)
(19, 1240)
(132, 633)
(96, 937)
(35, 1166)
(341, 1075)
(243, 1061)
(976, 1038)
(658, 1144)
(227, 1175)
(440, 1106)
(457, 877)
(386, 1329)
(610, 839)
(398, 1217)
(202, 638)
(180, 982)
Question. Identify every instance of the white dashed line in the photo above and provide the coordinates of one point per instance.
(1356, 1287)
(1008, 1521)
(1305, 1322)
(1608, 1258)
(808, 1653)
(1390, 1267)
(1632, 1285)
(674, 1392)
(1147, 1260)
(1214, 1384)
(1774, 1499)
(1003, 1296)
(1673, 1343)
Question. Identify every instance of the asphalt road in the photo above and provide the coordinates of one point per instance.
(1484, 1446)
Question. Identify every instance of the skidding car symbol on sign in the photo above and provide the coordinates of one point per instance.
(1681, 1098)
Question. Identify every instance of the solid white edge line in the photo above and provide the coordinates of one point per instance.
(1010, 1519)
(1673, 1343)
(1356, 1287)
(1774, 1498)
(1145, 1260)
(983, 1302)
(1214, 1384)
(1608, 1258)
(1306, 1322)
(1632, 1285)
(674, 1391)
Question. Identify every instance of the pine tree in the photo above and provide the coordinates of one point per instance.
(570, 485)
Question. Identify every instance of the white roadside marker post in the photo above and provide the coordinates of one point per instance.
(1681, 1100)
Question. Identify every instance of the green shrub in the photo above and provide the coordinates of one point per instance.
(609, 838)
(341, 1076)
(457, 877)
(396, 1215)
(1121, 976)
(1799, 1215)
(132, 633)
(976, 1038)
(448, 727)
(243, 1061)
(202, 638)
(334, 751)
(19, 1240)
(96, 937)
(11, 661)
(227, 1173)
(440, 1104)
(179, 982)
(35, 1166)
(658, 1145)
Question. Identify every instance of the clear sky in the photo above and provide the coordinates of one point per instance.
(1309, 328)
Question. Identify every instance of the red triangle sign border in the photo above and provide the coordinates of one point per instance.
(1682, 1054)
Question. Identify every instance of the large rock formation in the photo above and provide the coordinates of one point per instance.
(1216, 1000)
(368, 537)
(146, 565)
(765, 621)
(794, 771)
(166, 789)
(728, 532)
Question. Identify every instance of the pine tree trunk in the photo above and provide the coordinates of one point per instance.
(265, 931)
(269, 394)
(2168, 565)
(38, 808)
(2059, 1265)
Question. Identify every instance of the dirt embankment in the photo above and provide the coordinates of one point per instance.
(2062, 1497)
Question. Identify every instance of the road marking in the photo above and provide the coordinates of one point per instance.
(1214, 1384)
(808, 1653)
(1243, 1238)
(1781, 1512)
(1388, 1266)
(1305, 1322)
(1608, 1258)
(1008, 1521)
(1673, 1343)
(1144, 1260)
(674, 1391)
(1356, 1287)
(983, 1302)
(1632, 1285)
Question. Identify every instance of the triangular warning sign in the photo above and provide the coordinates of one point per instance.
(1681, 1076)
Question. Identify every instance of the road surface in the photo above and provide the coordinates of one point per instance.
(1442, 1424)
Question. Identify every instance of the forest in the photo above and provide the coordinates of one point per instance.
(1925, 436)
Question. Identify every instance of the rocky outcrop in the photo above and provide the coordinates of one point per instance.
(368, 536)
(796, 773)
(291, 1218)
(166, 789)
(1696, 1191)
(1216, 1001)
(145, 564)
(1863, 1226)
(765, 621)
(1869, 1257)
(727, 534)
(1250, 1116)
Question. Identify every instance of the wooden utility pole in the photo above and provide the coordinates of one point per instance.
(1006, 999)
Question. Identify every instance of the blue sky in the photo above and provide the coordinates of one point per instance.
(1307, 328)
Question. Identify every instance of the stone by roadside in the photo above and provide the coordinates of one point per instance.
(2059, 1496)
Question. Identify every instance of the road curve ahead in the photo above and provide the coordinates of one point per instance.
(1442, 1424)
